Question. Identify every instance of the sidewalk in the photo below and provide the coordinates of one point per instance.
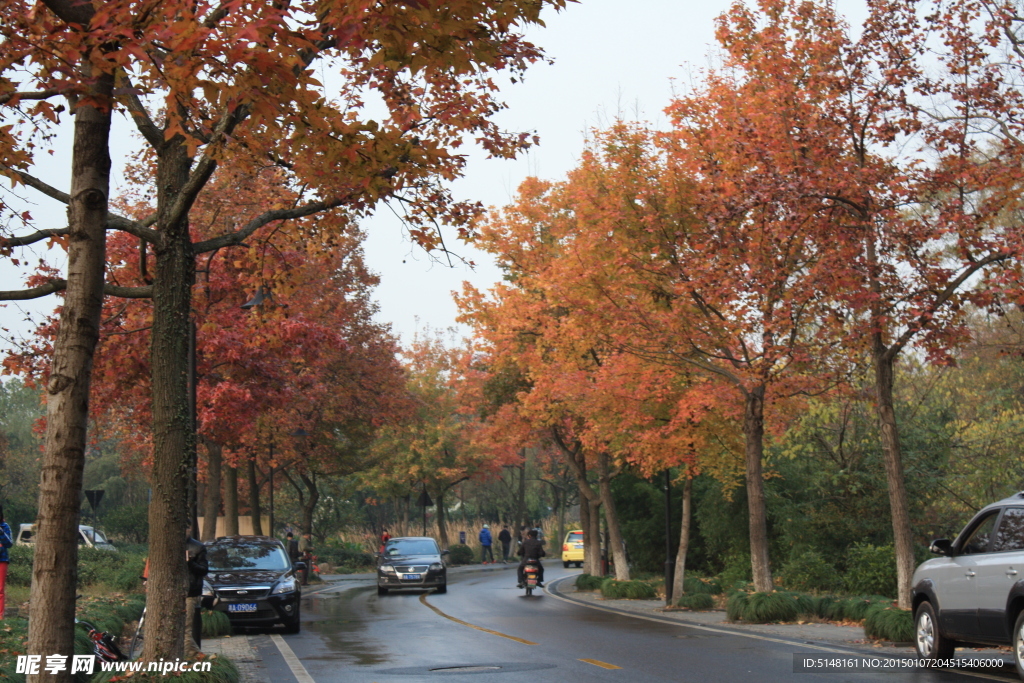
(824, 633)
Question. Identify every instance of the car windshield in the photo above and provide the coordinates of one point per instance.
(575, 537)
(94, 535)
(410, 546)
(247, 556)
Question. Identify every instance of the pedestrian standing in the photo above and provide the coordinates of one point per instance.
(5, 542)
(505, 536)
(198, 567)
(293, 547)
(306, 552)
(485, 543)
(384, 538)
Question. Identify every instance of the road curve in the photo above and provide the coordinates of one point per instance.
(485, 627)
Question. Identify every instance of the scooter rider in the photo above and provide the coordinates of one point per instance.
(531, 549)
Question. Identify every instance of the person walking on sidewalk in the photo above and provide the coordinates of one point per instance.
(505, 536)
(485, 544)
(306, 553)
(5, 542)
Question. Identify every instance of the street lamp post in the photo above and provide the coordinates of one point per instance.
(670, 564)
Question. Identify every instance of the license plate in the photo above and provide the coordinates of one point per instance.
(242, 607)
(411, 577)
(579, 546)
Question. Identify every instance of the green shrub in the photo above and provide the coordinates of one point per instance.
(822, 605)
(736, 572)
(460, 553)
(856, 608)
(809, 571)
(215, 623)
(736, 605)
(632, 590)
(804, 602)
(765, 608)
(344, 554)
(696, 601)
(870, 570)
(889, 623)
(19, 570)
(587, 582)
(696, 584)
(128, 523)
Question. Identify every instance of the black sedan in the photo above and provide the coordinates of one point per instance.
(412, 562)
(253, 581)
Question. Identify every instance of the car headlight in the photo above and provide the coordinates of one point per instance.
(436, 567)
(284, 586)
(208, 590)
(387, 569)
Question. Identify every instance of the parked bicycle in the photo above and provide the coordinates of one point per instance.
(103, 644)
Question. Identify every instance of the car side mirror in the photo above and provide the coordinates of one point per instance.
(299, 566)
(444, 552)
(941, 546)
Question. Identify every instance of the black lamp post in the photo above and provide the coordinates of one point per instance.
(670, 564)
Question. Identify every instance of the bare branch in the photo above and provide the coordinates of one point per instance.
(54, 286)
(37, 236)
(150, 131)
(38, 95)
(255, 224)
(36, 183)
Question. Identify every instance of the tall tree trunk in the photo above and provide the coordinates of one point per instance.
(211, 506)
(684, 539)
(55, 569)
(521, 496)
(254, 498)
(172, 434)
(753, 430)
(893, 458)
(611, 517)
(230, 500)
(592, 537)
(406, 504)
(560, 506)
(309, 505)
(442, 531)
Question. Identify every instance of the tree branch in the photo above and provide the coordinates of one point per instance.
(143, 122)
(60, 285)
(252, 226)
(37, 236)
(39, 95)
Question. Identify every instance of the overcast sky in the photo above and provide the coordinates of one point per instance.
(610, 58)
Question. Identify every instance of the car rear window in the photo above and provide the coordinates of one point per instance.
(575, 537)
(247, 556)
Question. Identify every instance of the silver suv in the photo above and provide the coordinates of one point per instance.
(974, 594)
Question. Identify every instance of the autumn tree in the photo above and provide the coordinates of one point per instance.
(433, 446)
(234, 85)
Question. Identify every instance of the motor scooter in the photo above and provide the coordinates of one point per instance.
(531, 573)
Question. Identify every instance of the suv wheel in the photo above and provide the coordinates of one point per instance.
(929, 641)
(1018, 644)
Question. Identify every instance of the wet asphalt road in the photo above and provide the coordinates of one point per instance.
(352, 635)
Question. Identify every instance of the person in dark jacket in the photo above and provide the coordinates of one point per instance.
(505, 536)
(198, 568)
(531, 549)
(293, 547)
(6, 541)
(485, 544)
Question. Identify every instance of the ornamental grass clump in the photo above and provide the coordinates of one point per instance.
(736, 605)
(889, 623)
(631, 590)
(696, 601)
(766, 608)
(588, 582)
(856, 608)
(215, 624)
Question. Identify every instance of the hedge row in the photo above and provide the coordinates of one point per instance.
(121, 571)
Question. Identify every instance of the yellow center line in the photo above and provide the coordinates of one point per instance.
(423, 599)
(603, 665)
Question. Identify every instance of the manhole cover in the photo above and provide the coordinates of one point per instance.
(465, 669)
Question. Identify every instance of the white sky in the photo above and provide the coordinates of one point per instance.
(610, 58)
